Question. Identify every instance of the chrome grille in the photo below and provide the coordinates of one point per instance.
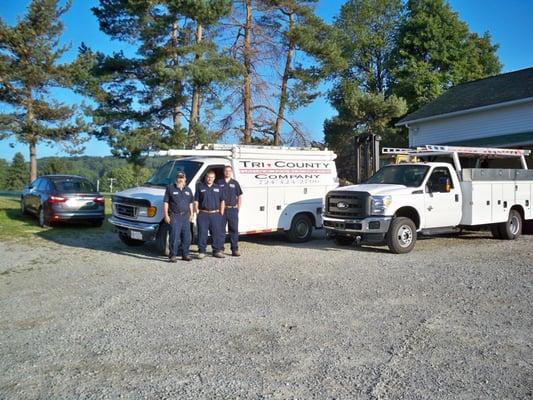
(347, 204)
(125, 210)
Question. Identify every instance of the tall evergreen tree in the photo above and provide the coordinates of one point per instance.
(4, 167)
(435, 51)
(29, 69)
(142, 100)
(17, 175)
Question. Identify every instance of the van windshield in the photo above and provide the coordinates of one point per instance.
(166, 174)
(407, 175)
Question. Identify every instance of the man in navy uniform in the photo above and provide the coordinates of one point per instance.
(178, 213)
(232, 195)
(209, 204)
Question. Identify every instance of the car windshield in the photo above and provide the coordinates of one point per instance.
(166, 174)
(73, 185)
(407, 175)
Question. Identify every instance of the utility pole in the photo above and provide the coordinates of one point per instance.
(111, 180)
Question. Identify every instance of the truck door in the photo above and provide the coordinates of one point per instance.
(442, 199)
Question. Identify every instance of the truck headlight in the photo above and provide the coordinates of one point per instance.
(378, 204)
(147, 212)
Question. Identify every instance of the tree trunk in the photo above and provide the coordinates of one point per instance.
(176, 112)
(284, 86)
(195, 107)
(247, 89)
(33, 160)
(32, 141)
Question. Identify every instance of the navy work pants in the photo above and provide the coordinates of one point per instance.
(180, 234)
(210, 223)
(231, 220)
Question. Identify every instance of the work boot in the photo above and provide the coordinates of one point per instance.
(201, 255)
(186, 258)
(235, 253)
(219, 254)
(173, 259)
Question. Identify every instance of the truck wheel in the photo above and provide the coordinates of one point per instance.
(401, 237)
(344, 240)
(511, 229)
(301, 229)
(129, 241)
(162, 240)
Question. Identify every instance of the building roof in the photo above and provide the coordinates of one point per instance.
(488, 92)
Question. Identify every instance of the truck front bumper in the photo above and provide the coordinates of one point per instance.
(370, 229)
(135, 230)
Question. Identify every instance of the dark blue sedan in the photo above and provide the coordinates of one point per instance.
(55, 198)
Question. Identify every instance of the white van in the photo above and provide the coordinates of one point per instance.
(283, 187)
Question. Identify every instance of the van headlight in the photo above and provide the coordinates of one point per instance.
(378, 204)
(147, 212)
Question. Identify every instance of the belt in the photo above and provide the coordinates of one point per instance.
(231, 206)
(209, 211)
(180, 213)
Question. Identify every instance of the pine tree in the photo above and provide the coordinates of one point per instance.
(17, 175)
(142, 100)
(435, 51)
(29, 69)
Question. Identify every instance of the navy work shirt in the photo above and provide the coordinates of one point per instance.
(208, 198)
(178, 199)
(231, 190)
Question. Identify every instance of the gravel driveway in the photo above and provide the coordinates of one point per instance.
(88, 317)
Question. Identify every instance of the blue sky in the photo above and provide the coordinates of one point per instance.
(509, 23)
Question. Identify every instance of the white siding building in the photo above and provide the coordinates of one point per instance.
(491, 112)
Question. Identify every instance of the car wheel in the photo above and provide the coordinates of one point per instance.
(301, 229)
(44, 222)
(23, 209)
(511, 229)
(401, 237)
(129, 241)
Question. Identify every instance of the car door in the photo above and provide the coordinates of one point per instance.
(32, 196)
(442, 199)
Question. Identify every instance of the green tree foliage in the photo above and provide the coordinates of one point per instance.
(29, 69)
(17, 174)
(142, 100)
(361, 96)
(435, 51)
(125, 177)
(4, 169)
(359, 113)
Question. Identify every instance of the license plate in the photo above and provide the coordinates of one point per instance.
(136, 235)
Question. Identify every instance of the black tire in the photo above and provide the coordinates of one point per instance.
(162, 239)
(512, 228)
(44, 221)
(23, 209)
(344, 240)
(97, 223)
(401, 237)
(301, 229)
(495, 230)
(129, 241)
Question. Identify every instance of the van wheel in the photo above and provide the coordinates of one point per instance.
(511, 229)
(301, 229)
(344, 240)
(401, 237)
(129, 241)
(162, 240)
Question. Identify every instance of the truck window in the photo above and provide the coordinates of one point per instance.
(440, 179)
(219, 172)
(166, 174)
(402, 174)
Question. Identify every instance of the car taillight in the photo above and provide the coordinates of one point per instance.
(57, 199)
(99, 200)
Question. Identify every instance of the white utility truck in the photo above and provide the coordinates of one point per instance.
(452, 188)
(283, 187)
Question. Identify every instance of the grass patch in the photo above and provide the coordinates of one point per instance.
(14, 225)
